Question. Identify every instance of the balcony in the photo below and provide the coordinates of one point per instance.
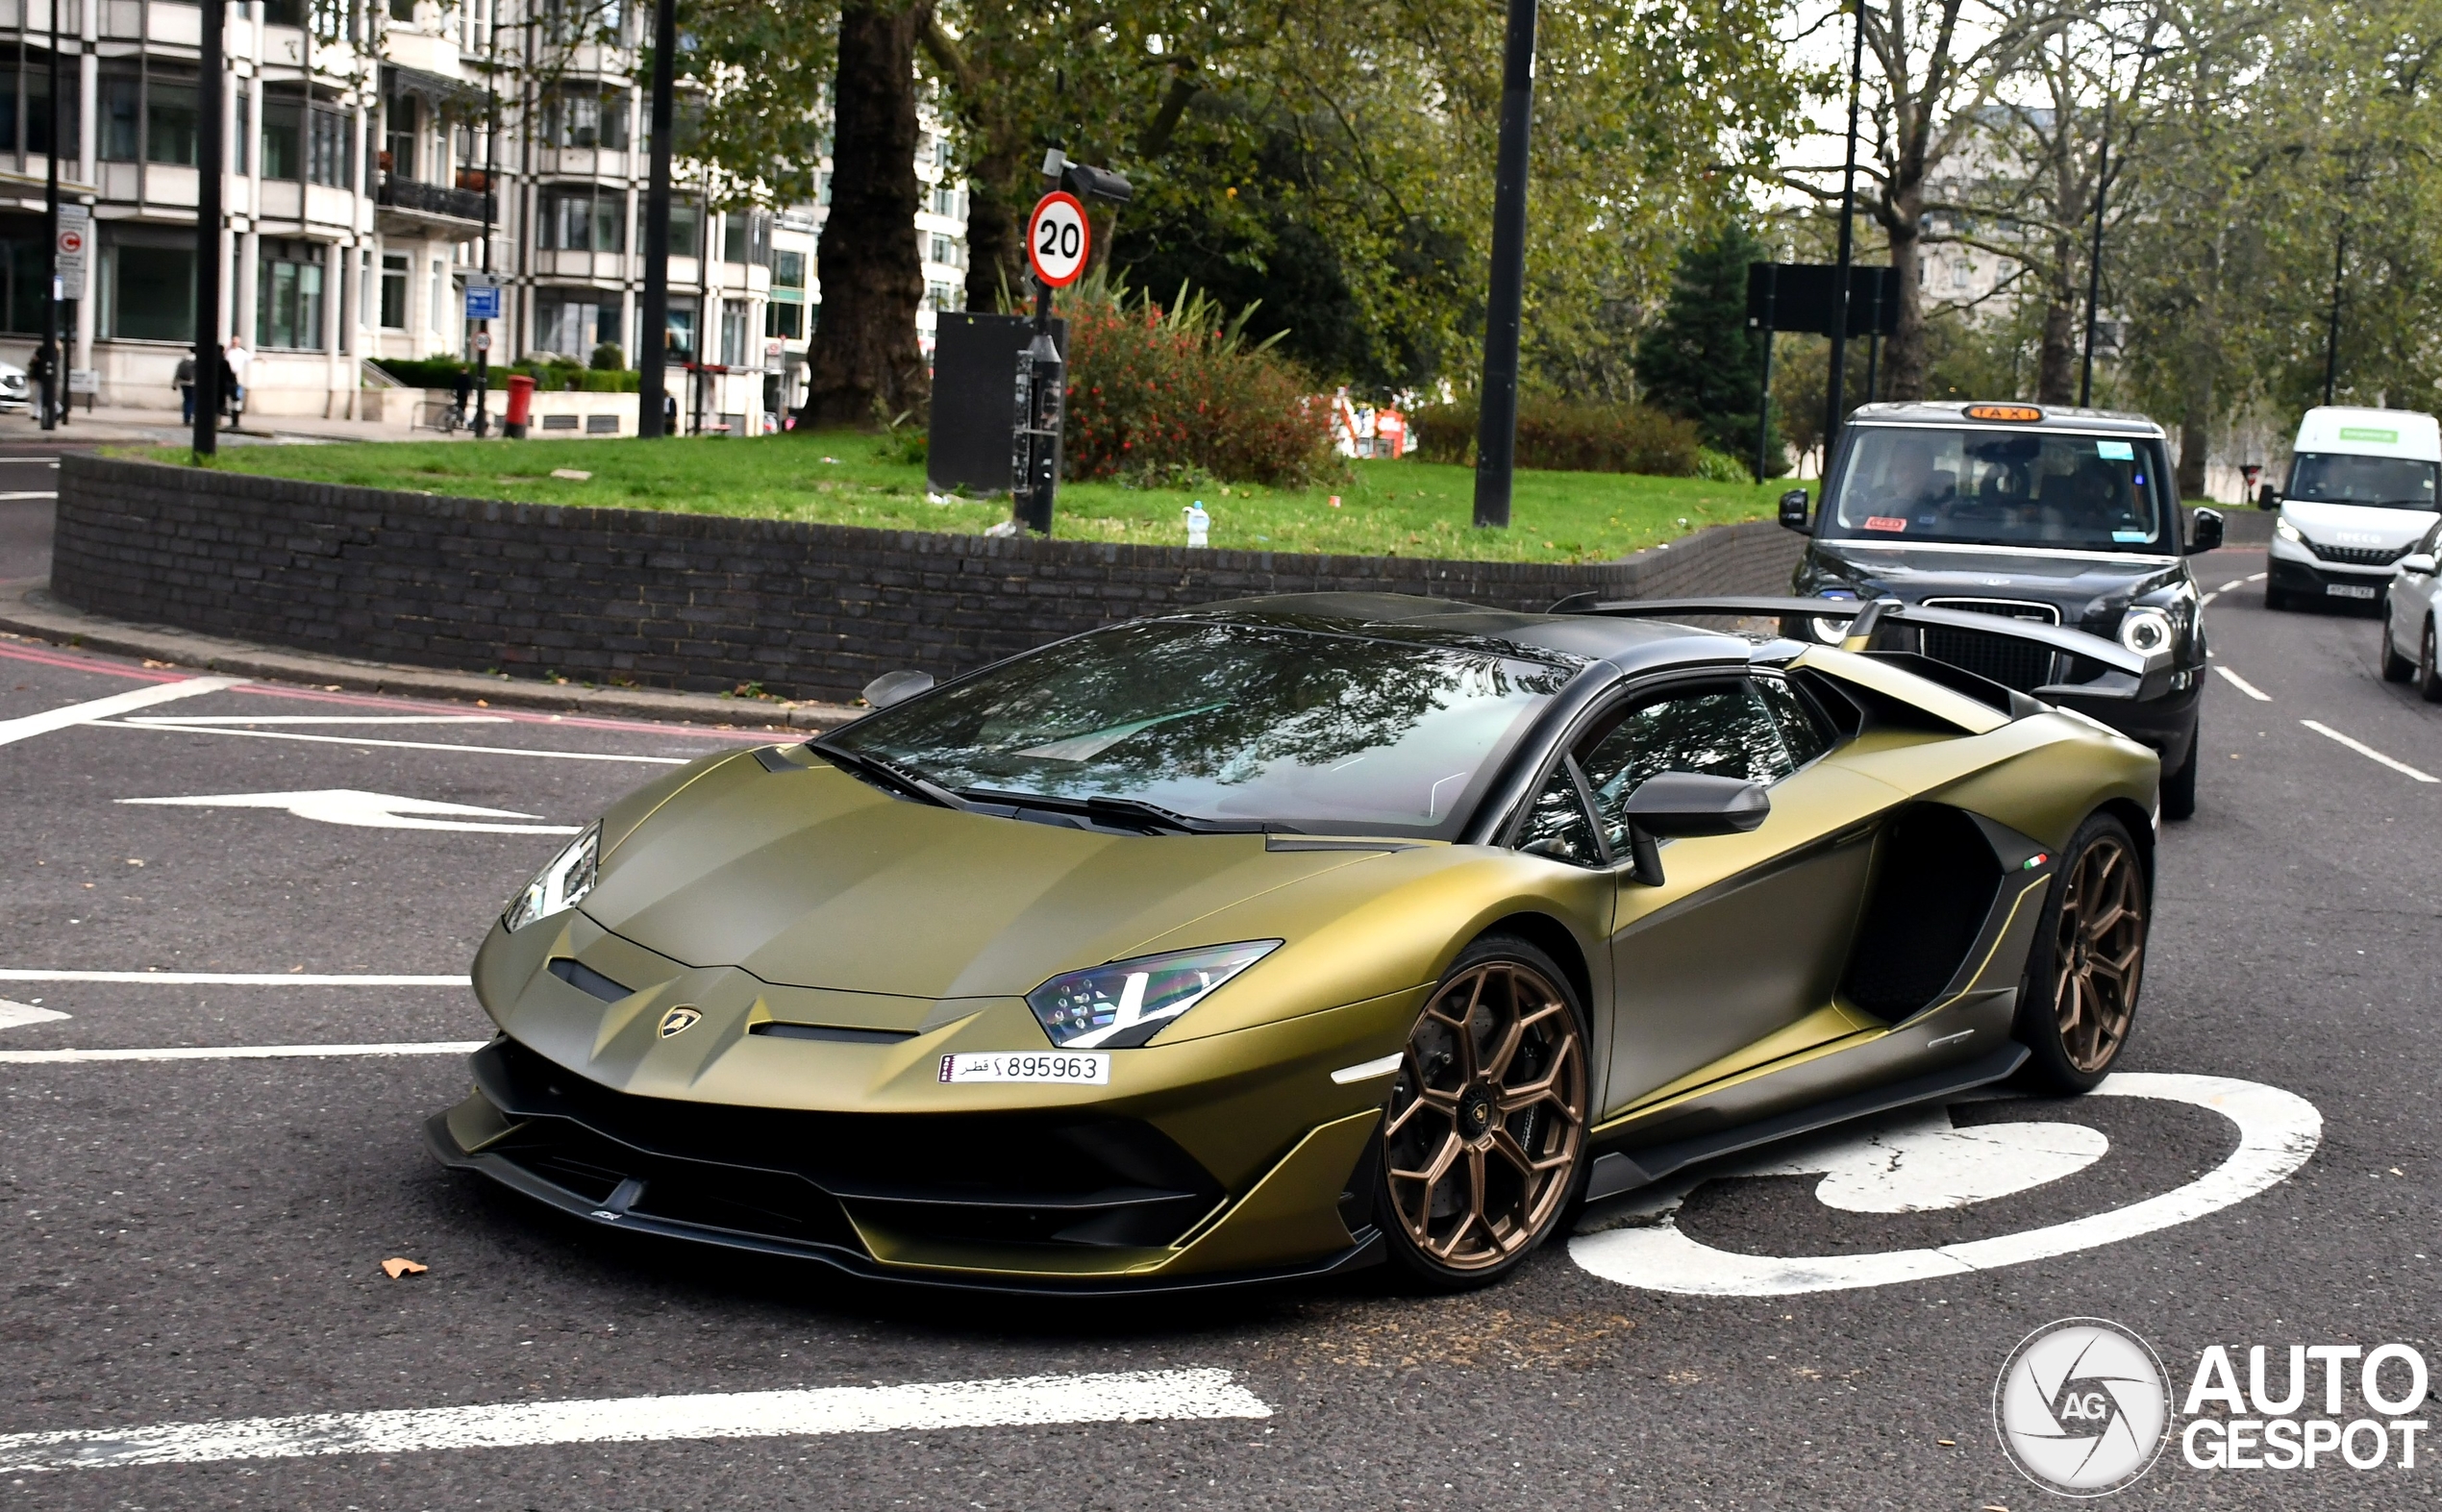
(407, 207)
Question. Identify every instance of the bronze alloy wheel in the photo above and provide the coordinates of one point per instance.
(1487, 1117)
(2098, 950)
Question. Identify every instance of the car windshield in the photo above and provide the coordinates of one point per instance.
(2000, 487)
(1216, 720)
(2397, 482)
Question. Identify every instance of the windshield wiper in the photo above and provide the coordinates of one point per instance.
(1126, 812)
(887, 773)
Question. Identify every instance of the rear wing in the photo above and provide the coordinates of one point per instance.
(2096, 668)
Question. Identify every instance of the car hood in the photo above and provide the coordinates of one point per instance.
(810, 878)
(2356, 524)
(2082, 585)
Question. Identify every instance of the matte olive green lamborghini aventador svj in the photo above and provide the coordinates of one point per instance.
(1292, 934)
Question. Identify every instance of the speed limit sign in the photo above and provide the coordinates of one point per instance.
(1057, 238)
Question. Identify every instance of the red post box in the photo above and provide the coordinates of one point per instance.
(521, 401)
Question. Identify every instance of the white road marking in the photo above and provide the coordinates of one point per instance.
(319, 719)
(2278, 1132)
(349, 805)
(2242, 685)
(401, 745)
(2235, 583)
(2259, 577)
(1118, 1397)
(2208, 600)
(2368, 752)
(28, 493)
(233, 979)
(26, 726)
(1919, 1163)
(434, 1046)
(1348, 1076)
(14, 1014)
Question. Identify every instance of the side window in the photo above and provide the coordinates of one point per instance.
(1805, 732)
(1558, 824)
(1719, 729)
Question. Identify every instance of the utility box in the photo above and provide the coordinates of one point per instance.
(974, 399)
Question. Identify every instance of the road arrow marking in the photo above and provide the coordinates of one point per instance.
(348, 806)
(14, 1014)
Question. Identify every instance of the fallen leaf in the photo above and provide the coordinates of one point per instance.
(397, 1266)
(1947, 1443)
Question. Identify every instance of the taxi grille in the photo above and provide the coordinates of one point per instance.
(2010, 663)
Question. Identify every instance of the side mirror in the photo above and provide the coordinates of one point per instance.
(896, 687)
(1793, 510)
(2267, 498)
(2420, 562)
(2205, 534)
(1671, 806)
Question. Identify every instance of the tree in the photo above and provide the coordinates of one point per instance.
(1698, 360)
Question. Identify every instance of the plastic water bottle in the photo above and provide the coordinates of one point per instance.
(1199, 524)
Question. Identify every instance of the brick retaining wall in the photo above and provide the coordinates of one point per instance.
(703, 602)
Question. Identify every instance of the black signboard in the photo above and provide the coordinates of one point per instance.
(974, 398)
(1803, 297)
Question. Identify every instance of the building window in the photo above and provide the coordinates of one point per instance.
(169, 117)
(283, 132)
(24, 287)
(122, 102)
(147, 284)
(941, 296)
(283, 12)
(572, 322)
(25, 100)
(585, 115)
(402, 10)
(394, 290)
(680, 334)
(244, 135)
(398, 136)
(946, 201)
(438, 311)
(789, 270)
(328, 160)
(787, 322)
(734, 314)
(288, 296)
(580, 217)
(687, 228)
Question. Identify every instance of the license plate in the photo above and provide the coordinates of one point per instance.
(1080, 1068)
(2348, 590)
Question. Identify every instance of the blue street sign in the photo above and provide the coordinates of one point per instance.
(483, 303)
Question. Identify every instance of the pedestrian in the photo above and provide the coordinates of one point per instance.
(462, 387)
(234, 364)
(185, 381)
(227, 392)
(43, 370)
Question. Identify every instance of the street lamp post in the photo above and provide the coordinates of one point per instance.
(1497, 417)
(50, 363)
(653, 338)
(1834, 406)
(212, 154)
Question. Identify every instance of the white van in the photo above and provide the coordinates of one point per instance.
(2360, 493)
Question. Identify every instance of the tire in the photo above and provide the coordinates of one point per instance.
(2077, 1002)
(2179, 789)
(2396, 668)
(2428, 677)
(1468, 1191)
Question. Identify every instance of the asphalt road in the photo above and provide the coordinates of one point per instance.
(29, 487)
(192, 1240)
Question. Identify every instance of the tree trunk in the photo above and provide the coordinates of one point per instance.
(2056, 353)
(2195, 428)
(1903, 354)
(996, 228)
(866, 367)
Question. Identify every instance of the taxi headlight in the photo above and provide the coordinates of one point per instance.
(565, 878)
(1127, 1003)
(2146, 631)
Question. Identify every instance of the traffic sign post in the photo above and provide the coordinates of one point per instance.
(1060, 241)
(76, 238)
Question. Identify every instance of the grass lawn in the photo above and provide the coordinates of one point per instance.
(1405, 507)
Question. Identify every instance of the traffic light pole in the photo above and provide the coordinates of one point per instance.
(1497, 414)
(212, 155)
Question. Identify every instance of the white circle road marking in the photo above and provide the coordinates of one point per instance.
(350, 806)
(2278, 1132)
(1918, 1163)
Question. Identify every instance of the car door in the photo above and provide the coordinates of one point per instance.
(1733, 959)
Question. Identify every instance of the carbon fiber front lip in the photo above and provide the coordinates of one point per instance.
(444, 1146)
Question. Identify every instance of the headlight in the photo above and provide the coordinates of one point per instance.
(568, 877)
(2286, 530)
(2145, 631)
(1833, 631)
(1125, 1002)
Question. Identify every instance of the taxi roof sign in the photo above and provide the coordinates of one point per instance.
(2018, 412)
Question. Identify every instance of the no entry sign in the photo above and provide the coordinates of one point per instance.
(1057, 238)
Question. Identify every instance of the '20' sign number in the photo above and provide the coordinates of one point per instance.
(1057, 238)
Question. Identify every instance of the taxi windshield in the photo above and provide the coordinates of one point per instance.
(2000, 487)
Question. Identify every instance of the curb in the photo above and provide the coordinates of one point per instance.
(28, 608)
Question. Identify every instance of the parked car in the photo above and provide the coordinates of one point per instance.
(2061, 517)
(17, 390)
(2411, 610)
(2361, 492)
(1284, 936)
